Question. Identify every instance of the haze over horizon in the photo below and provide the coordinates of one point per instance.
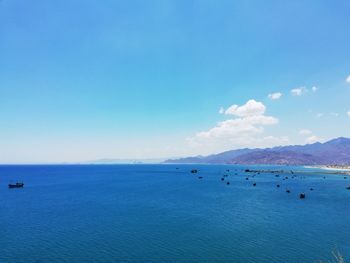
(86, 80)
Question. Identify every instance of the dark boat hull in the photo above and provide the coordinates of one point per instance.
(18, 185)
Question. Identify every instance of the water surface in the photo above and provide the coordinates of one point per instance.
(157, 213)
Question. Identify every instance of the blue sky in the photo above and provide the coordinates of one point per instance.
(83, 80)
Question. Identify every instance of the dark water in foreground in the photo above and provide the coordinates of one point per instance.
(155, 213)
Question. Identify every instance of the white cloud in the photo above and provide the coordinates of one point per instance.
(251, 108)
(221, 110)
(348, 113)
(305, 132)
(238, 126)
(348, 79)
(273, 140)
(312, 139)
(309, 136)
(275, 96)
(298, 91)
(319, 115)
(243, 130)
(314, 89)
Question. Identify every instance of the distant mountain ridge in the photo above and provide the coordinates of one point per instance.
(333, 152)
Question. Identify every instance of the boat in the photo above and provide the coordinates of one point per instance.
(16, 185)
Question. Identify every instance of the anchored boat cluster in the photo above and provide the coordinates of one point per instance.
(252, 173)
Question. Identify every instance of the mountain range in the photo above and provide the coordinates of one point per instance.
(333, 152)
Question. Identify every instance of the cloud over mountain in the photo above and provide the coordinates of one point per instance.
(245, 128)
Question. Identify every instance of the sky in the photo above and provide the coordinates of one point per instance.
(82, 80)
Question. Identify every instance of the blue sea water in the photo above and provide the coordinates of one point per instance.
(157, 213)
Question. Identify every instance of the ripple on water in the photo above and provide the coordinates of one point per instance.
(157, 214)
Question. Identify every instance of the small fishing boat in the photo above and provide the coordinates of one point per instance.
(16, 185)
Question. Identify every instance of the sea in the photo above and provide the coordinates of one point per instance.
(165, 213)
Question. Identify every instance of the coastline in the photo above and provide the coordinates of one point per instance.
(340, 168)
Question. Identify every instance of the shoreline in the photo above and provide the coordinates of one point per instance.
(343, 168)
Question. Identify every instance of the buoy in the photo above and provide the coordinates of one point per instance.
(302, 196)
